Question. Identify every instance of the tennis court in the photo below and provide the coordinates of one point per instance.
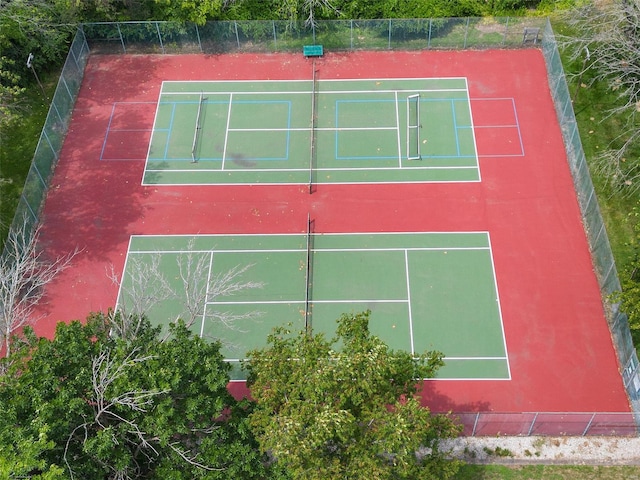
(425, 290)
(313, 131)
(445, 248)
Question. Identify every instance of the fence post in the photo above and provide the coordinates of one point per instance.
(235, 27)
(506, 31)
(466, 33)
(275, 38)
(475, 424)
(84, 41)
(586, 429)
(124, 49)
(198, 35)
(429, 39)
(533, 422)
(160, 37)
(351, 32)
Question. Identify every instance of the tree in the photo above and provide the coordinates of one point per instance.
(605, 41)
(353, 413)
(134, 408)
(24, 273)
(41, 27)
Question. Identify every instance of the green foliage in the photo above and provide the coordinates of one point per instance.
(548, 472)
(21, 455)
(33, 26)
(629, 297)
(18, 142)
(381, 9)
(10, 93)
(346, 408)
(197, 11)
(147, 408)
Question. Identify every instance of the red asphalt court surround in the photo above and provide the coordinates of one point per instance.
(560, 349)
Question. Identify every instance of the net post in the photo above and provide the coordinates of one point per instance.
(314, 120)
(196, 133)
(308, 275)
(415, 127)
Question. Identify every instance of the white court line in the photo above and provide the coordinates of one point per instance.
(315, 250)
(301, 183)
(257, 302)
(287, 302)
(308, 129)
(285, 170)
(343, 234)
(216, 250)
(473, 131)
(206, 295)
(475, 358)
(495, 285)
(373, 79)
(398, 131)
(307, 81)
(322, 92)
(406, 269)
(124, 269)
(226, 132)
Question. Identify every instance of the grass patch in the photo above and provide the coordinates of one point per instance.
(591, 104)
(18, 146)
(547, 472)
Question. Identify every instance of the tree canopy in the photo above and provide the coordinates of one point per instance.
(95, 406)
(346, 407)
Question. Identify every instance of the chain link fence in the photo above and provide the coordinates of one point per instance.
(346, 35)
(576, 424)
(52, 136)
(281, 36)
(601, 254)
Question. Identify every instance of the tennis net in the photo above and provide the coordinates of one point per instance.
(308, 275)
(314, 122)
(413, 127)
(196, 134)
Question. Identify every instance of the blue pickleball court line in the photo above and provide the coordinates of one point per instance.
(168, 140)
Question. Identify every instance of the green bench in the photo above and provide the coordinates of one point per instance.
(312, 50)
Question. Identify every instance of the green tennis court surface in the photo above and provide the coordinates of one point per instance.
(425, 290)
(305, 132)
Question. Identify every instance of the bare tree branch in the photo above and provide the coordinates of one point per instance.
(607, 40)
(310, 6)
(192, 459)
(194, 270)
(105, 371)
(24, 273)
(146, 286)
